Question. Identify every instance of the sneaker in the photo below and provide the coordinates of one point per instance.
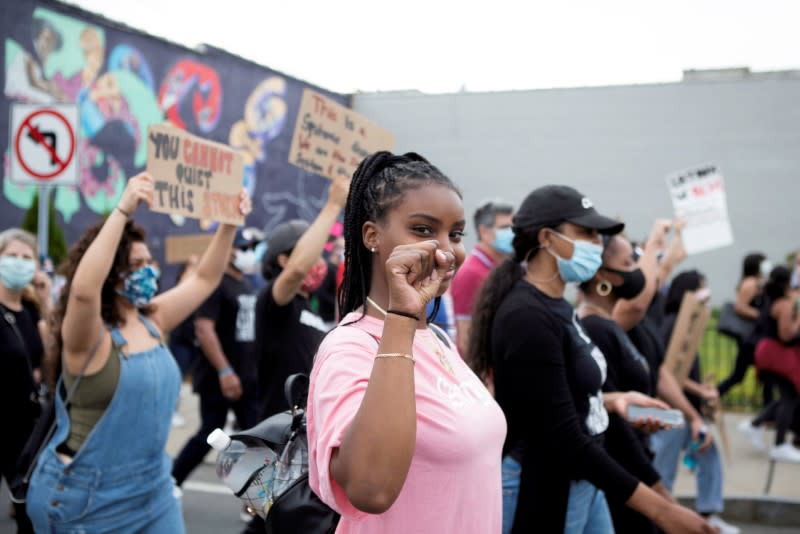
(785, 453)
(755, 434)
(724, 528)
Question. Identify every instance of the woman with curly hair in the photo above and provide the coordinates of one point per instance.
(105, 468)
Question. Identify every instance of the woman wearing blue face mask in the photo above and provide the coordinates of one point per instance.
(548, 377)
(105, 468)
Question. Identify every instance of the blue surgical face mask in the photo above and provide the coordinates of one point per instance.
(16, 273)
(141, 285)
(587, 257)
(503, 237)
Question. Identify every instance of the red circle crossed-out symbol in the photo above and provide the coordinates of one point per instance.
(40, 139)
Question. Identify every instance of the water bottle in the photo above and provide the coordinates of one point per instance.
(690, 456)
(239, 466)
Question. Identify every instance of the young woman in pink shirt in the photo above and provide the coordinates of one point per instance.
(403, 436)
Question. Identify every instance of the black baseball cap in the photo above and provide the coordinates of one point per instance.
(285, 236)
(555, 204)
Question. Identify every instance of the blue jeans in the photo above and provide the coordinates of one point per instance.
(587, 510)
(511, 474)
(667, 446)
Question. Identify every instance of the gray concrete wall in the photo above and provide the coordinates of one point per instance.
(616, 144)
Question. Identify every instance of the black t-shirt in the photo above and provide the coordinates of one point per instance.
(646, 336)
(547, 376)
(628, 370)
(232, 308)
(323, 300)
(17, 360)
(287, 338)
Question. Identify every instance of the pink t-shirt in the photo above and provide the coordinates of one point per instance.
(468, 281)
(453, 484)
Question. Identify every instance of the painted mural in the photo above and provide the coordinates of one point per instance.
(122, 81)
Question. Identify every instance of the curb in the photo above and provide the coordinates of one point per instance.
(757, 509)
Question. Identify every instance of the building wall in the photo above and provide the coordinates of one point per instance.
(616, 144)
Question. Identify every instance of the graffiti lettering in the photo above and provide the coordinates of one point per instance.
(177, 196)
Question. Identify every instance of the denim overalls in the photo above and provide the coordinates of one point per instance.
(119, 481)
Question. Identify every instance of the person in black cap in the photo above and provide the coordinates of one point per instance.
(548, 377)
(287, 331)
(225, 377)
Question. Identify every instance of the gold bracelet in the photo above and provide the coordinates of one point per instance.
(397, 355)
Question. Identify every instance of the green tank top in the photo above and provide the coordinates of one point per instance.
(90, 400)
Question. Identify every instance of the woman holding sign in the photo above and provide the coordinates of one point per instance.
(105, 469)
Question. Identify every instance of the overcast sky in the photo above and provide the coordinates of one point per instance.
(444, 46)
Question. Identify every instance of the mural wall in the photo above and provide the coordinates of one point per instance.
(122, 81)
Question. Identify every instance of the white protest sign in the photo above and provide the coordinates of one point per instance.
(698, 197)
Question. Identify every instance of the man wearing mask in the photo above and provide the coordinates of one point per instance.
(288, 332)
(492, 222)
(224, 378)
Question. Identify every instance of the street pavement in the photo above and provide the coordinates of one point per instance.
(210, 508)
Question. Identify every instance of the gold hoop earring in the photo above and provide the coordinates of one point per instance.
(604, 288)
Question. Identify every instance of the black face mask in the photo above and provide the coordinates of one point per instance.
(632, 283)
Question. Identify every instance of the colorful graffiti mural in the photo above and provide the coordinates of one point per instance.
(122, 81)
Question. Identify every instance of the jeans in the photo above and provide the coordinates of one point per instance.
(667, 446)
(587, 510)
(511, 474)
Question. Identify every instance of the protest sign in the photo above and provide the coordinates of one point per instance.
(331, 140)
(179, 248)
(698, 197)
(690, 325)
(194, 177)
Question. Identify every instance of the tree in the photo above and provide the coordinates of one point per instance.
(56, 243)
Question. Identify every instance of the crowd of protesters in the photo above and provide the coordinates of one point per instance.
(449, 391)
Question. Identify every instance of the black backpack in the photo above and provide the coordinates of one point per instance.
(297, 508)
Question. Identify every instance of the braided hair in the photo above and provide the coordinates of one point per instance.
(378, 186)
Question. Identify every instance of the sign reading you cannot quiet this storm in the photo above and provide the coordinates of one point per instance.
(331, 140)
(194, 177)
(698, 197)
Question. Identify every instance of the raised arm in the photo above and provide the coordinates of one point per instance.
(628, 313)
(675, 254)
(373, 460)
(175, 305)
(309, 248)
(82, 323)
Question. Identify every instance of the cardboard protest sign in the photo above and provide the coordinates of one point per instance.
(331, 140)
(178, 248)
(194, 177)
(689, 328)
(698, 197)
